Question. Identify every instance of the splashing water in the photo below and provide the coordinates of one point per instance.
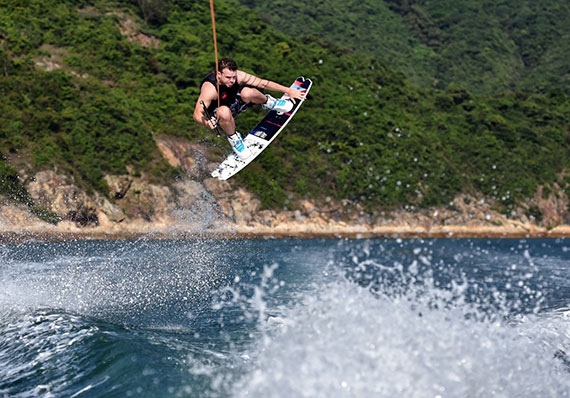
(286, 318)
(130, 280)
(344, 340)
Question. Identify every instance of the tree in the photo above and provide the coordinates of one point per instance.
(154, 11)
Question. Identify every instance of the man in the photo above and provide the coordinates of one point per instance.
(238, 90)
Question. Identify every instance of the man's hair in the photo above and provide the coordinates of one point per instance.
(227, 63)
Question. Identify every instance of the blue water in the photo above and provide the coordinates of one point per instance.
(285, 318)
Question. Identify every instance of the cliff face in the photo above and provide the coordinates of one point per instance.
(200, 204)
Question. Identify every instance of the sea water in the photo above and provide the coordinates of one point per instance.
(285, 318)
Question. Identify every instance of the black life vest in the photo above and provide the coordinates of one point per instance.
(228, 95)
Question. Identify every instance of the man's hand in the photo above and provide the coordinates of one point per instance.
(212, 123)
(295, 94)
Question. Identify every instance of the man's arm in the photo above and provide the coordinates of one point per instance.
(208, 94)
(264, 84)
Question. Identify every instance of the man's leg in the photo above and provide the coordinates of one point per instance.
(226, 120)
(228, 124)
(251, 95)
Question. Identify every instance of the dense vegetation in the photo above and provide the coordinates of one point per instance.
(365, 133)
(486, 46)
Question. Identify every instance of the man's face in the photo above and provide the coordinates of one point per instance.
(227, 77)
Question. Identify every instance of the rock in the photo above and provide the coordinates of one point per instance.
(131, 30)
(216, 187)
(244, 206)
(191, 158)
(118, 185)
(148, 202)
(108, 212)
(307, 206)
(189, 192)
(60, 195)
(16, 215)
(554, 207)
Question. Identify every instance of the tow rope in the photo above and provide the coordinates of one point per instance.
(215, 48)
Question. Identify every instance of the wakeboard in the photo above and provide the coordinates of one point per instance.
(262, 135)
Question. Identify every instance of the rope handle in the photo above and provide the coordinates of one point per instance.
(216, 129)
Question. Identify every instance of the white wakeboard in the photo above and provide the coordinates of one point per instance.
(262, 135)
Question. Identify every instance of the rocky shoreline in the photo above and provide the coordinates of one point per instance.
(199, 206)
(401, 232)
(17, 225)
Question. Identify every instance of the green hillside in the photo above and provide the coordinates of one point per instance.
(87, 84)
(485, 46)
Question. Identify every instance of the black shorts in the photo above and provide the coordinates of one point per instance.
(239, 106)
